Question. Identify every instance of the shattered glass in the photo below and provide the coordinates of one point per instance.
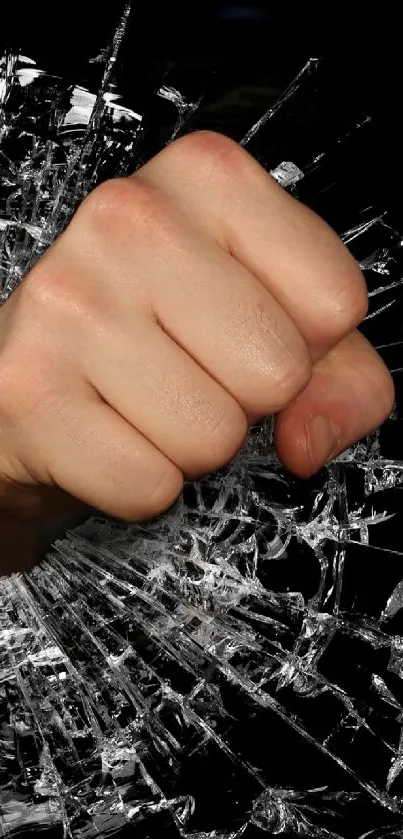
(235, 667)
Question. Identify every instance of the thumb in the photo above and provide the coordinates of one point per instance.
(349, 395)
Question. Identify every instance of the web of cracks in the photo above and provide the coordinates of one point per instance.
(234, 667)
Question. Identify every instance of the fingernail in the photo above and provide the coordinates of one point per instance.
(323, 439)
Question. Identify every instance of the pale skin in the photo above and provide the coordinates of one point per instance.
(179, 306)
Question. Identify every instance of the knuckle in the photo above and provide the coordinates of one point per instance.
(45, 287)
(123, 205)
(53, 289)
(110, 200)
(211, 147)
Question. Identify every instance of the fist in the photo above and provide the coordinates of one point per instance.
(180, 305)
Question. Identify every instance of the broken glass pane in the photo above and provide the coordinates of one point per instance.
(233, 668)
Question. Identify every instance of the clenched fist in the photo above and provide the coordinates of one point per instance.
(180, 305)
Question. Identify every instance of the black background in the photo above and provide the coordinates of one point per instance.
(240, 65)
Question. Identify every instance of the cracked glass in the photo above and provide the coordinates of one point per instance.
(233, 668)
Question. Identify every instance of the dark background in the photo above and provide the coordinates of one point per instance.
(240, 59)
(240, 56)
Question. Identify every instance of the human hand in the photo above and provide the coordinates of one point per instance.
(179, 306)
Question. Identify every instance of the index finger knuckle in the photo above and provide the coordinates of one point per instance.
(130, 209)
(204, 151)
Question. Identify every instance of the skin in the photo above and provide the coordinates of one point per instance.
(179, 306)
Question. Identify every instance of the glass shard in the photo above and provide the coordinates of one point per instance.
(234, 668)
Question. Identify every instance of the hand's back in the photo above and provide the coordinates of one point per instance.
(179, 306)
